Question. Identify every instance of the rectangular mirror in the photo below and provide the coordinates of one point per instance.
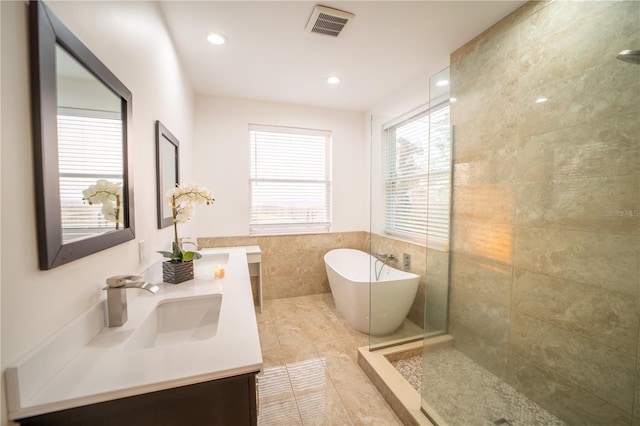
(81, 115)
(167, 171)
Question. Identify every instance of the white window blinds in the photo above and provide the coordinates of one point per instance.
(418, 176)
(89, 148)
(290, 183)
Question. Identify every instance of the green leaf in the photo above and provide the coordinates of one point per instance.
(187, 256)
(166, 253)
(197, 255)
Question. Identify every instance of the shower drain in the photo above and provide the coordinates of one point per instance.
(502, 421)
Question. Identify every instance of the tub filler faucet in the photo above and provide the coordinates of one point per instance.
(384, 259)
(117, 296)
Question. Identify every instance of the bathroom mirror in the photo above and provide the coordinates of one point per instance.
(81, 114)
(167, 171)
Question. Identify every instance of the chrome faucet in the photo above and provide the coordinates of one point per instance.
(384, 259)
(117, 296)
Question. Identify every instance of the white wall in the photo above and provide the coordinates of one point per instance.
(131, 39)
(222, 163)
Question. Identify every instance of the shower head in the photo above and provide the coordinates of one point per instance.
(631, 56)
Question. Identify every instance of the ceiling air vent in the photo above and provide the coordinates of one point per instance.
(328, 21)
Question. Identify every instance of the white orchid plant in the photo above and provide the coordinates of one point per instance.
(109, 194)
(183, 200)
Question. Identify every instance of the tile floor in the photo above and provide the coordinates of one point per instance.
(311, 375)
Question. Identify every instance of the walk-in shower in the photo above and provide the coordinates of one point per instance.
(540, 266)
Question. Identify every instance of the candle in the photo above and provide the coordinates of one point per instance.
(219, 271)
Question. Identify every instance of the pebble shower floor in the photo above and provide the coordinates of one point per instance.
(463, 393)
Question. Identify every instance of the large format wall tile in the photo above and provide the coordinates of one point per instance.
(572, 37)
(499, 60)
(486, 280)
(608, 317)
(483, 318)
(574, 405)
(559, 250)
(609, 261)
(494, 203)
(489, 241)
(490, 35)
(480, 329)
(495, 165)
(475, 132)
(485, 113)
(485, 352)
(608, 204)
(605, 372)
(609, 147)
(604, 91)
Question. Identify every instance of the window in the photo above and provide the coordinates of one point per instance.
(418, 177)
(89, 148)
(290, 183)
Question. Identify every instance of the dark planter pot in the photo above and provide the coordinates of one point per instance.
(177, 272)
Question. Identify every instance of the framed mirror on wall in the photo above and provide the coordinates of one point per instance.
(81, 116)
(167, 171)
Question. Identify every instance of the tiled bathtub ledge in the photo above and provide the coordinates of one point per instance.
(396, 390)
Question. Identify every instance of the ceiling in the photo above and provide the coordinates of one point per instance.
(271, 57)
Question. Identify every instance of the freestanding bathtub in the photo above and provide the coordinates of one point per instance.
(350, 271)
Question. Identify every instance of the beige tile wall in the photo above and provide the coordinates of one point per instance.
(293, 265)
(545, 281)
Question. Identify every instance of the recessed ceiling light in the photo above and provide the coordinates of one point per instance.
(333, 79)
(541, 99)
(442, 83)
(217, 39)
(452, 100)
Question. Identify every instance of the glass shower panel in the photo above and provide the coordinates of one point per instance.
(397, 264)
(438, 207)
(543, 326)
(438, 235)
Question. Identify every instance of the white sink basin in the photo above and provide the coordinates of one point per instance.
(178, 321)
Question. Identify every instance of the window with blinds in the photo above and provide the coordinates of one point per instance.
(89, 148)
(290, 180)
(418, 177)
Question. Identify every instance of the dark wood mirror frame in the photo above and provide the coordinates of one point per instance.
(47, 32)
(164, 135)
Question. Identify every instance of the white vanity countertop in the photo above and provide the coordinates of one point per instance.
(104, 370)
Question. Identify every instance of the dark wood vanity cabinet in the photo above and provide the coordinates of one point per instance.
(229, 401)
